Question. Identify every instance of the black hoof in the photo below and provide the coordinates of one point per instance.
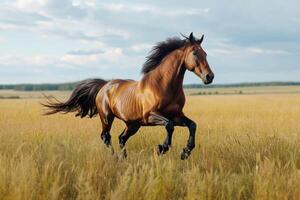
(185, 154)
(161, 149)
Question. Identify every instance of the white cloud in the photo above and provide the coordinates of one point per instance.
(225, 49)
(43, 68)
(144, 8)
(47, 18)
(34, 61)
(111, 55)
(60, 18)
(258, 50)
(141, 47)
(41, 60)
(84, 3)
(79, 60)
(29, 5)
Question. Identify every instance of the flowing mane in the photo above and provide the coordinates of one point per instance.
(159, 51)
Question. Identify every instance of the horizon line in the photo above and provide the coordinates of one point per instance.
(232, 83)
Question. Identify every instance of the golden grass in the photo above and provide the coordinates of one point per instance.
(247, 147)
(247, 90)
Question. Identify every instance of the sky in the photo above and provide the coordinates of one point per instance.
(50, 41)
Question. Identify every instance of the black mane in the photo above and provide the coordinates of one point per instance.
(160, 50)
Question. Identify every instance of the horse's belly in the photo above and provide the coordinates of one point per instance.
(128, 112)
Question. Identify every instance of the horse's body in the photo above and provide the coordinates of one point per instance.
(157, 99)
(135, 100)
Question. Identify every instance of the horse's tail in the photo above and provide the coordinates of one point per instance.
(82, 99)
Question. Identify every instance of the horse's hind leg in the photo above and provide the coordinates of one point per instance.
(106, 121)
(130, 130)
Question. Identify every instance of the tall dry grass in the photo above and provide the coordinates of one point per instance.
(248, 147)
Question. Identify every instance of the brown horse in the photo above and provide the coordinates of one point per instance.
(157, 99)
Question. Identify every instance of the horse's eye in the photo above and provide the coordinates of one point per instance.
(194, 53)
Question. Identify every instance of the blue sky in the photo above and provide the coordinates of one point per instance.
(69, 40)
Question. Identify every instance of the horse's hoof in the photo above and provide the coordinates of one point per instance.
(161, 149)
(185, 154)
(121, 145)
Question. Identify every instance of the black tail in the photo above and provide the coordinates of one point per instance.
(82, 99)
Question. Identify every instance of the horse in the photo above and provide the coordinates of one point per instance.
(155, 100)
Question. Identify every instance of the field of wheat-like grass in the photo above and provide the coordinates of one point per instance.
(247, 147)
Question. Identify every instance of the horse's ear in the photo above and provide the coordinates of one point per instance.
(191, 38)
(200, 40)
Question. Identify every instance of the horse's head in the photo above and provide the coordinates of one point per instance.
(195, 59)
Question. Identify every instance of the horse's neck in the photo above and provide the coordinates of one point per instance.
(168, 77)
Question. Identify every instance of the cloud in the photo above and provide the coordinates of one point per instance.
(76, 58)
(12, 19)
(35, 61)
(258, 50)
(141, 47)
(236, 50)
(86, 52)
(85, 58)
(49, 8)
(144, 8)
(90, 36)
(73, 66)
(84, 3)
(55, 17)
(84, 20)
(29, 5)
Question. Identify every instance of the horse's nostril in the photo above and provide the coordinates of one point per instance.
(209, 77)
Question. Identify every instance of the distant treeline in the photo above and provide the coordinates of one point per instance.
(258, 84)
(70, 86)
(39, 87)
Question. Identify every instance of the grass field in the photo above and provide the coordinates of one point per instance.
(247, 147)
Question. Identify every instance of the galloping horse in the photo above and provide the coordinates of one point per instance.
(157, 99)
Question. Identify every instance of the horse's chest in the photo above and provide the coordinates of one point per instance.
(172, 109)
(173, 106)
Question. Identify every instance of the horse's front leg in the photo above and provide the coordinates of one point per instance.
(156, 119)
(185, 121)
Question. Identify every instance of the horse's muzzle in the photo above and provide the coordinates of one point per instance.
(209, 78)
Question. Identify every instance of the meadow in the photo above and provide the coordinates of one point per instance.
(247, 147)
